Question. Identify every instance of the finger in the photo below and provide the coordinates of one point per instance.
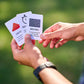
(46, 42)
(46, 31)
(79, 38)
(41, 41)
(14, 45)
(52, 28)
(51, 35)
(53, 42)
(19, 47)
(60, 43)
(33, 42)
(28, 40)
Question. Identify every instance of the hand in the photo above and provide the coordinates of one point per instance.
(60, 33)
(30, 55)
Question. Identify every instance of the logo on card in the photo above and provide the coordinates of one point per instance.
(24, 19)
(15, 26)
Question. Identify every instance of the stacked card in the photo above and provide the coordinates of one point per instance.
(25, 23)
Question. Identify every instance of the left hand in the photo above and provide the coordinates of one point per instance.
(53, 41)
(30, 55)
(60, 33)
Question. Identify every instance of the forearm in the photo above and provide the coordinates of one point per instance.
(52, 76)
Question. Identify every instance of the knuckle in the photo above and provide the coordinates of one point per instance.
(59, 23)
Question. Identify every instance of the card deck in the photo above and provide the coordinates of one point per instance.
(25, 23)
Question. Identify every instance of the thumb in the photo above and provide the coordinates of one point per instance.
(51, 35)
(28, 40)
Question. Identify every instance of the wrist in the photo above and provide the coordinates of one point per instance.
(43, 66)
(39, 62)
(80, 29)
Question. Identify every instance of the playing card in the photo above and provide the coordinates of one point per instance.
(35, 26)
(23, 21)
(15, 30)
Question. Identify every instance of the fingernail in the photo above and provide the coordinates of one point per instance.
(42, 36)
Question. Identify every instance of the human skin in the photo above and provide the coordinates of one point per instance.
(31, 56)
(60, 33)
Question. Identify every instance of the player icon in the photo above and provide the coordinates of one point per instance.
(15, 26)
(24, 19)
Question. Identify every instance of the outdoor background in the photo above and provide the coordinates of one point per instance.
(67, 58)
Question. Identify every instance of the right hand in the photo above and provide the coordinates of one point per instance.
(63, 31)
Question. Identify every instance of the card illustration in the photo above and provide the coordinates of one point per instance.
(24, 19)
(15, 26)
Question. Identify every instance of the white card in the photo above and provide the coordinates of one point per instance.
(35, 26)
(15, 30)
(23, 21)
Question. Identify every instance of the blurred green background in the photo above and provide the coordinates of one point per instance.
(67, 58)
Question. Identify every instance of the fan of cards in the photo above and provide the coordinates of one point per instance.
(25, 23)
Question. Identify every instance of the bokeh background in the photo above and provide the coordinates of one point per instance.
(67, 58)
